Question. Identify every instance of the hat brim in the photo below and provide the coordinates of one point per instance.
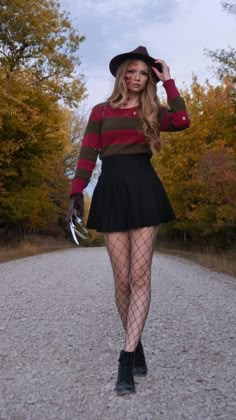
(119, 59)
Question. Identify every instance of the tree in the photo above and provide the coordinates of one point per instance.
(229, 6)
(33, 138)
(198, 165)
(225, 59)
(40, 37)
(39, 80)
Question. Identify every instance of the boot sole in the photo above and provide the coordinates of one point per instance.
(125, 392)
(139, 372)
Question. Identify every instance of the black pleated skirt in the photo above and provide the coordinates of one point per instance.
(128, 195)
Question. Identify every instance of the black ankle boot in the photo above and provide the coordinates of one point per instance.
(125, 381)
(140, 366)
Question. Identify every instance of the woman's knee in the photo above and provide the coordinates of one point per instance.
(122, 281)
(140, 278)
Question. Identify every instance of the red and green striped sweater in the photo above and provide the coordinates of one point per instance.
(115, 131)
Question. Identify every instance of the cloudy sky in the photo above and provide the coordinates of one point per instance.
(174, 30)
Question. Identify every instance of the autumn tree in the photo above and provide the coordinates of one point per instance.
(225, 59)
(198, 165)
(39, 82)
(40, 37)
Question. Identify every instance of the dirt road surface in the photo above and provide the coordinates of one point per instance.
(60, 338)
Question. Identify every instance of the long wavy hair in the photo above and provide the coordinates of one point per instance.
(148, 101)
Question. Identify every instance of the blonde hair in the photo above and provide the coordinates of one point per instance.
(148, 100)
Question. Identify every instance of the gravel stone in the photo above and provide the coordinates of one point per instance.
(60, 338)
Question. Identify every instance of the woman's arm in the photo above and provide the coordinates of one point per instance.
(174, 117)
(88, 153)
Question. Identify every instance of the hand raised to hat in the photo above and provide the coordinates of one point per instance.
(165, 74)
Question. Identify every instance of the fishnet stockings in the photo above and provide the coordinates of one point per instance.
(131, 258)
(118, 247)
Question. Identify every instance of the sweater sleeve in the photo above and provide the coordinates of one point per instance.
(174, 117)
(90, 148)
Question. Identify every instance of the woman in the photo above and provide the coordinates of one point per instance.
(129, 201)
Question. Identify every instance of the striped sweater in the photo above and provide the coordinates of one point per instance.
(116, 131)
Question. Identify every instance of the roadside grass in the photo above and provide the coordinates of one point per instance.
(220, 261)
(30, 246)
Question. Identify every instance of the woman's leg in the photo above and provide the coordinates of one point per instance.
(142, 245)
(118, 247)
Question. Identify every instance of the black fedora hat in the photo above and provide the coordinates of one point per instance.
(139, 53)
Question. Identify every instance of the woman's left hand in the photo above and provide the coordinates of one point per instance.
(165, 74)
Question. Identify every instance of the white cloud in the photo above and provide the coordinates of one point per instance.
(127, 9)
(175, 30)
(99, 84)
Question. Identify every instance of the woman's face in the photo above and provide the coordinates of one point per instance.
(136, 76)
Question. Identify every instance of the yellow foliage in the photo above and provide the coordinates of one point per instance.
(198, 165)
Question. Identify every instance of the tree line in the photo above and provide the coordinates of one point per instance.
(40, 89)
(198, 165)
(41, 124)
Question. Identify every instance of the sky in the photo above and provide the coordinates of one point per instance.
(177, 31)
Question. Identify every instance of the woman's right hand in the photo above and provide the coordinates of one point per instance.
(76, 203)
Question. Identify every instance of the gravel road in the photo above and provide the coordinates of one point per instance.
(60, 337)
